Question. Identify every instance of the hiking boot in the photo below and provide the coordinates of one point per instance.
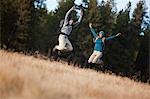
(59, 52)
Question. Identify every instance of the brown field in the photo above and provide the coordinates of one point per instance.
(25, 77)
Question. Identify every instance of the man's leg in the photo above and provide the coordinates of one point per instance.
(62, 43)
(68, 45)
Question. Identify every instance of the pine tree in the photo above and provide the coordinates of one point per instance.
(23, 23)
(64, 6)
(16, 19)
(136, 28)
(121, 57)
(38, 35)
(107, 17)
(142, 49)
(136, 24)
(142, 60)
(8, 21)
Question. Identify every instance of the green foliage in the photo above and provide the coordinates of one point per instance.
(8, 21)
(142, 60)
(64, 6)
(118, 49)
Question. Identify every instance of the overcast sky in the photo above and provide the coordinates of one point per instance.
(121, 4)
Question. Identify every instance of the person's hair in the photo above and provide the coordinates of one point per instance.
(70, 18)
(102, 32)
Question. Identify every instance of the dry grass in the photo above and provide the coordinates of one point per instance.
(25, 77)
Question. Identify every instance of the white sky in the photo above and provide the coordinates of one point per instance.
(121, 4)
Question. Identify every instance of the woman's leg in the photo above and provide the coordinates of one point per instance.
(99, 61)
(97, 58)
(92, 57)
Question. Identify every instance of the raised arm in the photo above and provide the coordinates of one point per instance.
(80, 18)
(92, 30)
(66, 16)
(111, 37)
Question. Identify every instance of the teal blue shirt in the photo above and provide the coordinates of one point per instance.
(99, 44)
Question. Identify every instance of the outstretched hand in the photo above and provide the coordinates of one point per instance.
(118, 34)
(90, 25)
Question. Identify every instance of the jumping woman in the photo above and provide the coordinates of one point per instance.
(99, 45)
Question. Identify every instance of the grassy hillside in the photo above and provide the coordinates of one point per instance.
(25, 77)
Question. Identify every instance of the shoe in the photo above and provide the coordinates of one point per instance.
(55, 52)
(59, 52)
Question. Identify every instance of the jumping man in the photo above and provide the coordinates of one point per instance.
(64, 43)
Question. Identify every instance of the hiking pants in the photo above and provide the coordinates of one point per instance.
(64, 43)
(96, 57)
